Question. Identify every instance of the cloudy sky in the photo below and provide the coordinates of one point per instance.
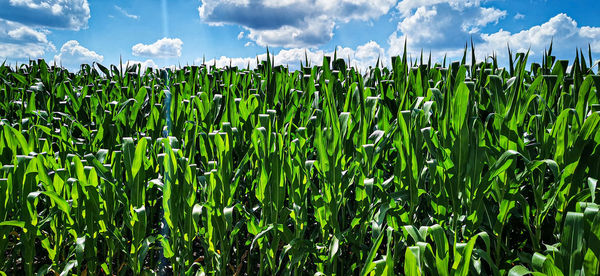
(166, 32)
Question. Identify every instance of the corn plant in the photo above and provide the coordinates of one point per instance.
(419, 168)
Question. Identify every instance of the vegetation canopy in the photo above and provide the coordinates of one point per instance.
(417, 168)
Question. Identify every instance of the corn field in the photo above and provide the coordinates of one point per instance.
(417, 168)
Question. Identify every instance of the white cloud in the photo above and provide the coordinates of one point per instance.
(125, 13)
(405, 7)
(519, 16)
(485, 17)
(144, 64)
(291, 23)
(590, 32)
(226, 61)
(444, 26)
(63, 14)
(293, 57)
(362, 57)
(73, 54)
(165, 47)
(18, 51)
(240, 35)
(248, 44)
(26, 33)
(370, 50)
(24, 25)
(440, 24)
(318, 32)
(561, 29)
(18, 41)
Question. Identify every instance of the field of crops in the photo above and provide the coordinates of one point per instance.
(458, 168)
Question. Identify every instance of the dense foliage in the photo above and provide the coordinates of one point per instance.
(418, 169)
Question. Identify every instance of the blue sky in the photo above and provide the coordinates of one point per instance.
(170, 32)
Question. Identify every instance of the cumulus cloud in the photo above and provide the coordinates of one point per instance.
(26, 50)
(20, 41)
(369, 51)
(406, 7)
(519, 16)
(26, 33)
(589, 32)
(362, 57)
(144, 64)
(165, 47)
(24, 25)
(240, 35)
(318, 32)
(291, 23)
(73, 54)
(125, 13)
(562, 29)
(441, 25)
(63, 14)
(431, 27)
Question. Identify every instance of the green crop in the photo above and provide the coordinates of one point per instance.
(417, 168)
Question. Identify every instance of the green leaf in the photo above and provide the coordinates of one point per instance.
(572, 243)
(369, 265)
(15, 223)
(55, 198)
(19, 78)
(411, 261)
(166, 246)
(139, 157)
(460, 107)
(592, 183)
(519, 270)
